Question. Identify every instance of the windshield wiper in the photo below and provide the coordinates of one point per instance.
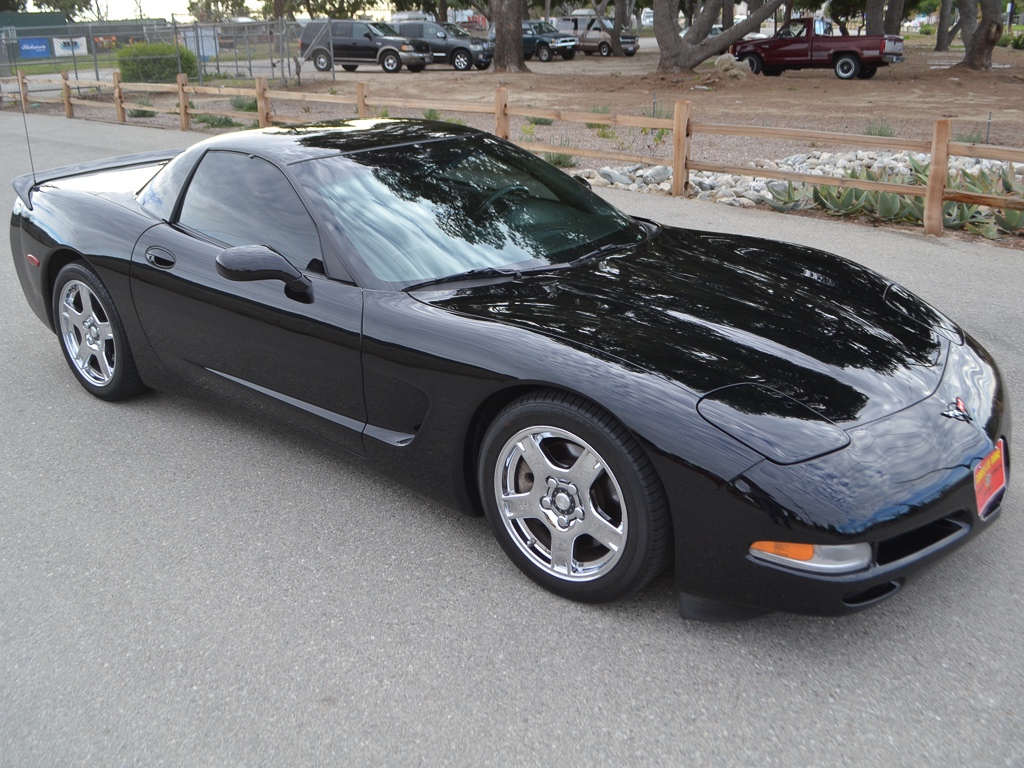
(604, 250)
(515, 274)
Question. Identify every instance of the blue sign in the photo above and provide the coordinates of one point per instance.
(34, 47)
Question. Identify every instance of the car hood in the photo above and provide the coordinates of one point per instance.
(708, 311)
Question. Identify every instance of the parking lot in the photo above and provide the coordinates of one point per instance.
(183, 584)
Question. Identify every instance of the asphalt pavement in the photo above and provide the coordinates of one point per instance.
(185, 585)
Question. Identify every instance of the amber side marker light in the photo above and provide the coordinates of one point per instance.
(817, 558)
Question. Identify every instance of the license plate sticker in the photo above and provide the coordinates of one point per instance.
(989, 479)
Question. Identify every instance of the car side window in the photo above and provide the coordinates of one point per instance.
(412, 30)
(358, 30)
(242, 200)
(341, 29)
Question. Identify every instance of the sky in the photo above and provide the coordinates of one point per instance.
(151, 9)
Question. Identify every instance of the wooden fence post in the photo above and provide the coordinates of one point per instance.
(361, 109)
(186, 119)
(501, 113)
(65, 94)
(262, 102)
(23, 85)
(119, 97)
(937, 176)
(680, 148)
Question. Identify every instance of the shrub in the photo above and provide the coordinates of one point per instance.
(539, 120)
(245, 103)
(431, 114)
(1018, 42)
(927, 29)
(154, 63)
(879, 127)
(561, 159)
(142, 112)
(1004, 41)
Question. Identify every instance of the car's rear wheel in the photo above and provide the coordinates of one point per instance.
(572, 498)
(417, 67)
(92, 336)
(461, 60)
(755, 62)
(544, 54)
(390, 62)
(350, 67)
(321, 60)
(604, 49)
(847, 67)
(867, 71)
(482, 65)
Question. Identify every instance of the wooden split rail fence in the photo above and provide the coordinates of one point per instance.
(682, 128)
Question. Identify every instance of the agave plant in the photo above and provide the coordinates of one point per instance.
(841, 201)
(793, 198)
(1010, 222)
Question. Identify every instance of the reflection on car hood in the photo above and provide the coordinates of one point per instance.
(708, 310)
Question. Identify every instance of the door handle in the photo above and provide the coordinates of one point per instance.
(160, 257)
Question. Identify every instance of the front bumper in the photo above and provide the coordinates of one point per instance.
(905, 485)
(414, 58)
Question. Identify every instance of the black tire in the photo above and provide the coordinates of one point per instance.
(604, 49)
(755, 62)
(92, 336)
(321, 59)
(772, 71)
(482, 65)
(588, 53)
(527, 56)
(867, 71)
(568, 54)
(544, 54)
(462, 60)
(417, 67)
(390, 62)
(630, 53)
(611, 525)
(350, 67)
(847, 66)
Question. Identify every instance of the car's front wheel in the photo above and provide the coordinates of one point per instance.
(390, 62)
(461, 60)
(91, 334)
(572, 498)
(755, 62)
(544, 54)
(604, 49)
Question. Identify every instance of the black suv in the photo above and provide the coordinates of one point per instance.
(361, 42)
(544, 41)
(451, 44)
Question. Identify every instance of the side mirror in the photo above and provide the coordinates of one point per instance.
(583, 182)
(442, 35)
(368, 35)
(245, 263)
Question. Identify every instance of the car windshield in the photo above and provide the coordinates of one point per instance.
(383, 29)
(542, 27)
(468, 203)
(456, 31)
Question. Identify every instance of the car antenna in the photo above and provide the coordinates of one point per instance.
(24, 120)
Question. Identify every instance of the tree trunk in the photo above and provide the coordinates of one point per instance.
(874, 19)
(442, 11)
(978, 52)
(621, 19)
(968, 10)
(893, 17)
(945, 33)
(727, 14)
(507, 17)
(678, 54)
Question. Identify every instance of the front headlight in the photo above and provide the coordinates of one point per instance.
(816, 558)
(407, 47)
(476, 47)
(773, 424)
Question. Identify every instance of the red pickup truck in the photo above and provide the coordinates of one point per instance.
(805, 43)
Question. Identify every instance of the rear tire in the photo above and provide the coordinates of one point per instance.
(569, 54)
(92, 336)
(867, 71)
(321, 60)
(847, 67)
(350, 67)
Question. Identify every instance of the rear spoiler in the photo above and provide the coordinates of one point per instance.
(24, 185)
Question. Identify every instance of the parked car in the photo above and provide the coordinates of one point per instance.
(810, 43)
(361, 42)
(794, 431)
(450, 44)
(594, 35)
(647, 18)
(542, 40)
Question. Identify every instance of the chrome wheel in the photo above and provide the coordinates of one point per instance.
(461, 60)
(86, 333)
(572, 497)
(560, 503)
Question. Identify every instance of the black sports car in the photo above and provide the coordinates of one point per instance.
(795, 431)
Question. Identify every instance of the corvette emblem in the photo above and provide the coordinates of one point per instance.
(957, 410)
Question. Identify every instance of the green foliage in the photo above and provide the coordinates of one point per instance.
(142, 112)
(1004, 41)
(1018, 41)
(879, 126)
(154, 63)
(245, 103)
(12, 6)
(561, 159)
(70, 8)
(1010, 222)
(927, 29)
(605, 132)
(215, 121)
(455, 121)
(383, 113)
(794, 197)
(431, 114)
(599, 109)
(539, 120)
(528, 131)
(217, 10)
(971, 137)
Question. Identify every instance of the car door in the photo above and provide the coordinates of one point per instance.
(363, 43)
(294, 358)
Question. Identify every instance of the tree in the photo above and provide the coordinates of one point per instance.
(980, 44)
(217, 10)
(695, 46)
(841, 11)
(507, 19)
(946, 32)
(12, 6)
(70, 8)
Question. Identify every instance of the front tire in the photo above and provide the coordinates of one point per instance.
(847, 67)
(544, 54)
(461, 60)
(604, 49)
(390, 62)
(755, 62)
(92, 336)
(573, 499)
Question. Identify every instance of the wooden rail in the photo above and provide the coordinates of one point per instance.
(682, 128)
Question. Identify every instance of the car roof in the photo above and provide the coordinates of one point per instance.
(294, 144)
